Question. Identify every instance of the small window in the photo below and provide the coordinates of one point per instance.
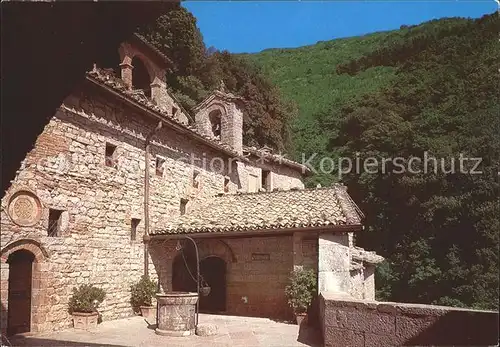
(133, 228)
(253, 181)
(266, 180)
(196, 175)
(110, 159)
(226, 184)
(183, 206)
(160, 165)
(174, 111)
(54, 228)
(215, 122)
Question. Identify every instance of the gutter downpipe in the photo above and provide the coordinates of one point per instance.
(146, 237)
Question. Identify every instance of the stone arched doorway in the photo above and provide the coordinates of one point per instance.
(213, 271)
(20, 291)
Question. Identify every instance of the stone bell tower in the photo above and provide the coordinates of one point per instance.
(220, 116)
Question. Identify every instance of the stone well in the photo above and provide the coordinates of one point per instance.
(176, 313)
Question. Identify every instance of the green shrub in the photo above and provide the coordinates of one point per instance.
(86, 298)
(142, 292)
(301, 290)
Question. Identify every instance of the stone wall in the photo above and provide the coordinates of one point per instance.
(356, 288)
(362, 284)
(349, 322)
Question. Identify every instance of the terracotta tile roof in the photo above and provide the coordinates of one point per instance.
(142, 40)
(290, 209)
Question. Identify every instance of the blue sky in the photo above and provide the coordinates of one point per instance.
(251, 26)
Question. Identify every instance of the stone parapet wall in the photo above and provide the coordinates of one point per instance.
(348, 322)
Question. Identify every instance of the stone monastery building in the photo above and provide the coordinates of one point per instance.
(80, 210)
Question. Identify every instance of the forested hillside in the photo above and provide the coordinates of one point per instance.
(432, 89)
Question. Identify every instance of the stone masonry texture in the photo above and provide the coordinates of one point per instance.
(66, 170)
(360, 323)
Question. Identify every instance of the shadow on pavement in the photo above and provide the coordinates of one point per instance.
(37, 341)
(310, 335)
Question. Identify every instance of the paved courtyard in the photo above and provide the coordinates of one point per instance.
(232, 331)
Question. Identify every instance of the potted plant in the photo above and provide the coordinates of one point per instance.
(301, 291)
(141, 298)
(83, 306)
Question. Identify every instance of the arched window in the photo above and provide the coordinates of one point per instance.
(140, 77)
(215, 123)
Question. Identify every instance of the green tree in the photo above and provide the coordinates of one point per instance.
(197, 71)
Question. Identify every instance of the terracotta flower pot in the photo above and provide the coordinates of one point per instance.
(301, 318)
(84, 320)
(148, 312)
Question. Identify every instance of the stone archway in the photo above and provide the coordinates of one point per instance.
(24, 280)
(216, 248)
(213, 270)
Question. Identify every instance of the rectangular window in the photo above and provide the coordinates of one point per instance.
(174, 111)
(110, 159)
(54, 227)
(160, 165)
(196, 175)
(133, 228)
(266, 180)
(183, 206)
(226, 184)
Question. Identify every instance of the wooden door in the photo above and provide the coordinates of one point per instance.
(19, 307)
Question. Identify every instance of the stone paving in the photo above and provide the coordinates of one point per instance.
(232, 331)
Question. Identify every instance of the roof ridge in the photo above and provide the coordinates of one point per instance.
(304, 208)
(151, 47)
(311, 189)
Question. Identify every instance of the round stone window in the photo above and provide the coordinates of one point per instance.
(24, 208)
